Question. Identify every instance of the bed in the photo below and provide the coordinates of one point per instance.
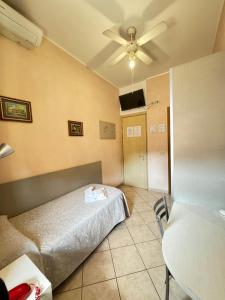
(64, 232)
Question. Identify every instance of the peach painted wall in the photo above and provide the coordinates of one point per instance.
(60, 89)
(158, 89)
(220, 37)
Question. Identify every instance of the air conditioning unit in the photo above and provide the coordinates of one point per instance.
(18, 29)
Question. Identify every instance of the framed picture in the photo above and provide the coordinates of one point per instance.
(75, 128)
(107, 130)
(15, 110)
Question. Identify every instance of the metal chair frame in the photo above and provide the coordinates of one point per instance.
(161, 211)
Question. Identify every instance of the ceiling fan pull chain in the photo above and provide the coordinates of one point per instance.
(132, 80)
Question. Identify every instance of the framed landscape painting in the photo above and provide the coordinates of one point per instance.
(75, 128)
(15, 110)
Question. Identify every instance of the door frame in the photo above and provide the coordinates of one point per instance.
(169, 149)
(146, 137)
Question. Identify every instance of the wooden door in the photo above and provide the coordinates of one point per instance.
(135, 150)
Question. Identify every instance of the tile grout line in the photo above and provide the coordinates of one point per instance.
(114, 268)
(82, 281)
(134, 243)
(115, 273)
(153, 284)
(116, 277)
(144, 265)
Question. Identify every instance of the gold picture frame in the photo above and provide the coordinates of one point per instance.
(12, 109)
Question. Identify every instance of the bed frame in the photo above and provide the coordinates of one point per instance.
(22, 195)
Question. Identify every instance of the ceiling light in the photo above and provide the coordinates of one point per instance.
(131, 63)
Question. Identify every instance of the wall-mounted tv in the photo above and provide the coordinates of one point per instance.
(132, 100)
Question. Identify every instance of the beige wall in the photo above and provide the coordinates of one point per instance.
(220, 37)
(60, 89)
(158, 89)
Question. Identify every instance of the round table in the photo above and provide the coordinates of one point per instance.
(193, 247)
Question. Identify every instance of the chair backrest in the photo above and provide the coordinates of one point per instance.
(161, 211)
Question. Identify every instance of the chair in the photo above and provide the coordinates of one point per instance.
(162, 213)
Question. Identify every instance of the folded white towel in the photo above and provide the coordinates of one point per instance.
(92, 194)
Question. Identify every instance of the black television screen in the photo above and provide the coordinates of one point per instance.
(132, 100)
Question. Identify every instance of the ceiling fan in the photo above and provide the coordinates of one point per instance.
(132, 48)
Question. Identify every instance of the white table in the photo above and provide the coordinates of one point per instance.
(194, 250)
(23, 270)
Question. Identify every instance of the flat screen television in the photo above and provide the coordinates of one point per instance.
(132, 100)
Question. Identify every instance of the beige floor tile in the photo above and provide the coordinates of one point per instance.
(137, 286)
(138, 201)
(71, 295)
(148, 216)
(141, 190)
(141, 233)
(151, 253)
(154, 227)
(103, 246)
(134, 219)
(135, 198)
(142, 206)
(149, 197)
(132, 210)
(119, 238)
(101, 291)
(158, 277)
(159, 195)
(130, 193)
(72, 282)
(127, 260)
(150, 201)
(98, 267)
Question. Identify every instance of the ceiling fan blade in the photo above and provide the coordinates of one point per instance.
(118, 56)
(144, 57)
(115, 37)
(154, 32)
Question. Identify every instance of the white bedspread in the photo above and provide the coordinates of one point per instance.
(66, 230)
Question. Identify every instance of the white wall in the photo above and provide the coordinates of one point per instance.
(198, 145)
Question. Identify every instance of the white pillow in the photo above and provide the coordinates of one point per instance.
(13, 244)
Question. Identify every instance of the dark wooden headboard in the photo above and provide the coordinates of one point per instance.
(22, 195)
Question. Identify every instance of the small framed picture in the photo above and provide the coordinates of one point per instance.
(15, 110)
(75, 128)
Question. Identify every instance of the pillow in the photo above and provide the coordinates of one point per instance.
(13, 244)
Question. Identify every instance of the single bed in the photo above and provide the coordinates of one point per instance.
(66, 230)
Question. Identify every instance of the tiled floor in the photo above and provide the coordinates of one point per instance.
(128, 265)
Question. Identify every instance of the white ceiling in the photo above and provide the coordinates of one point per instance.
(77, 26)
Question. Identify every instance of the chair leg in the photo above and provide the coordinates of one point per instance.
(167, 284)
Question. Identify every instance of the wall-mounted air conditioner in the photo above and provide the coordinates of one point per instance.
(17, 28)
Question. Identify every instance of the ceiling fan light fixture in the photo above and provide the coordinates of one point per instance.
(132, 47)
(132, 62)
